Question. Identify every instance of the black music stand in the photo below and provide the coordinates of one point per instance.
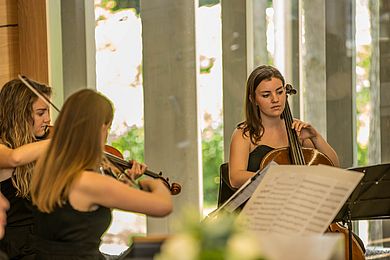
(370, 199)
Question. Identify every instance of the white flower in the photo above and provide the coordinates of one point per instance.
(179, 247)
(243, 246)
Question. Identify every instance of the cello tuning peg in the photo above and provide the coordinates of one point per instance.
(290, 89)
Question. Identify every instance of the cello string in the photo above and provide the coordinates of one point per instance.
(296, 149)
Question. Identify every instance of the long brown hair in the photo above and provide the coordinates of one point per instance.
(75, 147)
(253, 124)
(16, 124)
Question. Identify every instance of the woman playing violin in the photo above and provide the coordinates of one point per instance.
(73, 200)
(263, 129)
(23, 118)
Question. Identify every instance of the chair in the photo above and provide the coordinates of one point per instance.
(225, 189)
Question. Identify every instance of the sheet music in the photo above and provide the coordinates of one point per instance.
(245, 191)
(293, 199)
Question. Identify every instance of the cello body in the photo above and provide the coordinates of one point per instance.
(281, 156)
(357, 251)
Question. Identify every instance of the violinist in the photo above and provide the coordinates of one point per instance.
(264, 129)
(73, 199)
(23, 118)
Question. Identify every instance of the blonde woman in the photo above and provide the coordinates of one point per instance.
(24, 117)
(72, 198)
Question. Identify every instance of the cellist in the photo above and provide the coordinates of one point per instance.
(268, 126)
(264, 129)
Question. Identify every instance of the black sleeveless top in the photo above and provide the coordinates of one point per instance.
(19, 213)
(17, 240)
(67, 233)
(256, 156)
(254, 160)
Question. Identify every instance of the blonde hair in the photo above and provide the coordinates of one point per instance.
(16, 125)
(75, 147)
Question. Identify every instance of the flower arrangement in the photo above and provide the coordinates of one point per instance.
(210, 239)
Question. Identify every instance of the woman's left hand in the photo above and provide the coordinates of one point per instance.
(136, 170)
(304, 130)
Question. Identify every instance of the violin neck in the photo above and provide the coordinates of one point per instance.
(123, 165)
(296, 152)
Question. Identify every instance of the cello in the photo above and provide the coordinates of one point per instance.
(298, 155)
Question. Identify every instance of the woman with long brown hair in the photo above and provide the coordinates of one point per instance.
(72, 198)
(24, 118)
(264, 129)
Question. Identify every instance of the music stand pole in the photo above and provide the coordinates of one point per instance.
(349, 223)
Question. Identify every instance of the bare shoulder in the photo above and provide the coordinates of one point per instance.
(93, 181)
(239, 136)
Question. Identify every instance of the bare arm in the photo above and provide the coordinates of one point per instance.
(238, 160)
(312, 138)
(96, 189)
(10, 158)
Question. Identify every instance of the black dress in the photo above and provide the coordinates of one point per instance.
(17, 240)
(256, 156)
(70, 234)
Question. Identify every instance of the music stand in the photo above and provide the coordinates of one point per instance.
(370, 200)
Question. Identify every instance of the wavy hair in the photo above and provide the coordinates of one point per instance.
(16, 122)
(253, 125)
(75, 146)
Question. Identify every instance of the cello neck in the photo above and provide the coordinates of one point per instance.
(295, 147)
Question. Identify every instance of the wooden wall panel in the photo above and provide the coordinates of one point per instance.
(8, 12)
(9, 53)
(33, 39)
(9, 41)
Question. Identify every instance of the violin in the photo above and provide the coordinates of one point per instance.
(298, 155)
(116, 158)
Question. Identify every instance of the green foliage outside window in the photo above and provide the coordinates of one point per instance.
(212, 156)
(363, 62)
(131, 145)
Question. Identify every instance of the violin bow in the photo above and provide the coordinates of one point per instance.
(24, 79)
